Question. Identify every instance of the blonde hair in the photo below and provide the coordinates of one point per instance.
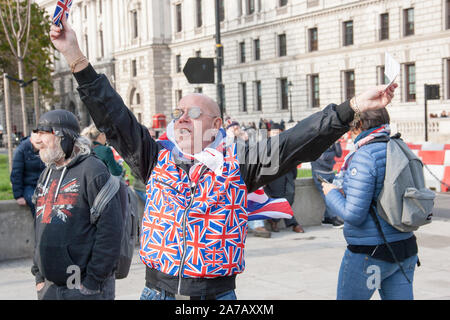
(91, 132)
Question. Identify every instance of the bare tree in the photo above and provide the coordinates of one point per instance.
(17, 31)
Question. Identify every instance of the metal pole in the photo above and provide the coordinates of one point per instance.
(8, 120)
(219, 59)
(290, 100)
(36, 99)
(426, 114)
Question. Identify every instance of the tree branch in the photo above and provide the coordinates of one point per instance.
(11, 19)
(7, 33)
(19, 33)
(28, 21)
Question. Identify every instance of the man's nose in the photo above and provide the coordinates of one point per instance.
(184, 117)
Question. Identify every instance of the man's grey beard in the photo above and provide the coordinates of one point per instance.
(52, 155)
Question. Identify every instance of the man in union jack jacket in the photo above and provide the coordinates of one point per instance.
(195, 221)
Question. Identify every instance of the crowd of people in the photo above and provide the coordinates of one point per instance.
(195, 180)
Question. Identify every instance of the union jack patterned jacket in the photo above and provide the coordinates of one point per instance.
(195, 231)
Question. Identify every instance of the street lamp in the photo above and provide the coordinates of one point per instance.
(290, 100)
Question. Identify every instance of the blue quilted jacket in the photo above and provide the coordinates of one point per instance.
(363, 182)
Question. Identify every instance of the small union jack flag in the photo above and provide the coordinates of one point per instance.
(260, 206)
(62, 6)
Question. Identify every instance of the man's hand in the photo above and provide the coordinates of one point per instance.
(327, 187)
(65, 41)
(21, 201)
(375, 98)
(39, 286)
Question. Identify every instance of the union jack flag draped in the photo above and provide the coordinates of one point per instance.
(62, 6)
(260, 206)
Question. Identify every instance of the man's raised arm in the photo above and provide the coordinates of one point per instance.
(273, 157)
(106, 107)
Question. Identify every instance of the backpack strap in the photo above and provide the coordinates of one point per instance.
(377, 223)
(107, 192)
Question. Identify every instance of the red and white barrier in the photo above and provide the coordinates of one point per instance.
(435, 156)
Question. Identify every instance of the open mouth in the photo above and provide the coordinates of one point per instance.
(184, 132)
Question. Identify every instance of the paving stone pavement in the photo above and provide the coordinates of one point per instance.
(287, 266)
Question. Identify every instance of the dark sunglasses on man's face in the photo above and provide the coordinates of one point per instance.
(193, 113)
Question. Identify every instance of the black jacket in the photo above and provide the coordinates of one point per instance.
(258, 165)
(64, 234)
(26, 168)
(283, 187)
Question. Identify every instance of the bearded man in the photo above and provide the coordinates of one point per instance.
(73, 258)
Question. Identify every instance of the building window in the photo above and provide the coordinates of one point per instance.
(138, 98)
(100, 6)
(256, 49)
(349, 84)
(199, 13)
(243, 96)
(178, 95)
(221, 10)
(134, 68)
(313, 39)
(381, 77)
(282, 3)
(239, 3)
(179, 25)
(198, 90)
(250, 6)
(178, 63)
(447, 10)
(448, 78)
(312, 3)
(348, 33)
(384, 26)
(198, 53)
(314, 90)
(284, 93)
(282, 49)
(85, 12)
(134, 16)
(258, 96)
(408, 25)
(410, 79)
(242, 52)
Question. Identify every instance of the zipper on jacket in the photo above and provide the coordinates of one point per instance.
(168, 185)
(183, 256)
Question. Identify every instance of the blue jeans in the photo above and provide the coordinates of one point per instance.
(329, 177)
(152, 294)
(360, 275)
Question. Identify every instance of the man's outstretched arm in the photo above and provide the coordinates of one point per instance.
(273, 157)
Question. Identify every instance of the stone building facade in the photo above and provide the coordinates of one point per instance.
(281, 57)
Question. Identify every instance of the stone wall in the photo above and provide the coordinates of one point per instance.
(17, 232)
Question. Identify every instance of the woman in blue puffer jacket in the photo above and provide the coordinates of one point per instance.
(368, 264)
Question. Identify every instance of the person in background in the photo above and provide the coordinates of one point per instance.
(255, 227)
(26, 169)
(324, 167)
(100, 149)
(363, 178)
(283, 187)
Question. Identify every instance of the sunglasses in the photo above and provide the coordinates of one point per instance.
(193, 113)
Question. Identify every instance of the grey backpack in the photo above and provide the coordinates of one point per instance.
(128, 202)
(404, 202)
